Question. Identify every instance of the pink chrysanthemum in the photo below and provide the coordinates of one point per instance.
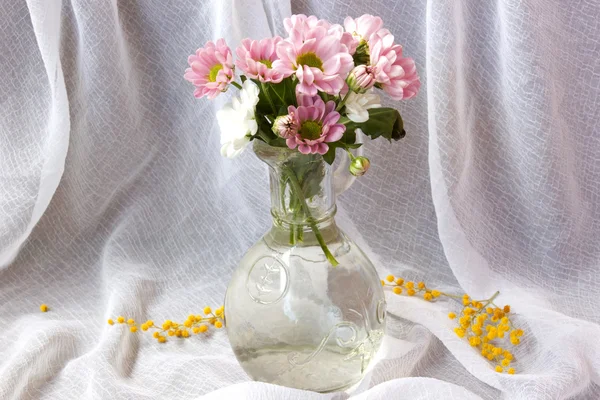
(316, 125)
(211, 69)
(396, 75)
(363, 27)
(315, 52)
(301, 23)
(256, 59)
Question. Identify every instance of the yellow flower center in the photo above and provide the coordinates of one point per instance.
(268, 63)
(214, 71)
(310, 59)
(310, 130)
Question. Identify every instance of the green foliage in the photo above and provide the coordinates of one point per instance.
(274, 100)
(329, 157)
(361, 55)
(281, 94)
(309, 171)
(348, 141)
(385, 122)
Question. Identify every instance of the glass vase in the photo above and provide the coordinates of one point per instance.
(305, 307)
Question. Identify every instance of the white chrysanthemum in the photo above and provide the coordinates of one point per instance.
(237, 121)
(357, 105)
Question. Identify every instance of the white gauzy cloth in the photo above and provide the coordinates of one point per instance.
(114, 199)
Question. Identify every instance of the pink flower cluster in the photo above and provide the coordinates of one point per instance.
(322, 58)
(395, 74)
(318, 53)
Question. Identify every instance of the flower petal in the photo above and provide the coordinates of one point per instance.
(291, 143)
(304, 149)
(322, 148)
(335, 133)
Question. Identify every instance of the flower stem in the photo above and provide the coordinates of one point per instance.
(491, 300)
(297, 189)
(339, 107)
(265, 90)
(454, 296)
(237, 85)
(352, 156)
(292, 236)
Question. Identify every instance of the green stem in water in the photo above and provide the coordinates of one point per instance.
(293, 207)
(237, 85)
(297, 189)
(292, 236)
(282, 187)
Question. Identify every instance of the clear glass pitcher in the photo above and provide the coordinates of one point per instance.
(305, 307)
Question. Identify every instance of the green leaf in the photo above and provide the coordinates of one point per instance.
(243, 78)
(262, 135)
(264, 129)
(398, 132)
(384, 121)
(329, 157)
(263, 106)
(349, 137)
(284, 92)
(346, 121)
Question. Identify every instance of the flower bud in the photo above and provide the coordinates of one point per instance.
(359, 166)
(285, 126)
(361, 78)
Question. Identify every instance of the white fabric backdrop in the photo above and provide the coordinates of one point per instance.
(113, 190)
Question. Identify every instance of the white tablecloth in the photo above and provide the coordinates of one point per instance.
(114, 199)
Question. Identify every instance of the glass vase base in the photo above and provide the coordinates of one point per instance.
(300, 368)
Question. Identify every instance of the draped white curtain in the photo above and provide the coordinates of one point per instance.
(114, 199)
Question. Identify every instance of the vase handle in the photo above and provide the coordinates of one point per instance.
(342, 178)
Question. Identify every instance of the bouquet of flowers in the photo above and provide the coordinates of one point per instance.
(311, 92)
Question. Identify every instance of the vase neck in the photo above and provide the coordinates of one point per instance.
(301, 186)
